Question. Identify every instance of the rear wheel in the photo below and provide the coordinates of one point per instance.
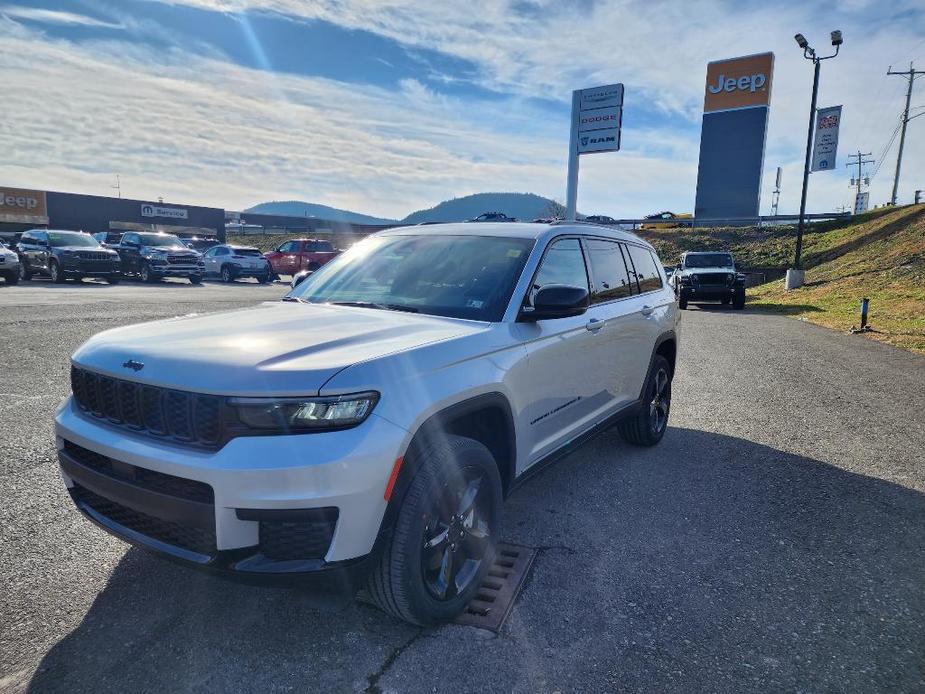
(263, 279)
(648, 425)
(444, 538)
(682, 301)
(11, 277)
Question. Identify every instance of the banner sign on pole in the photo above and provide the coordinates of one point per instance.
(825, 142)
(861, 201)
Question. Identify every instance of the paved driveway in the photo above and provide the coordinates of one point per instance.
(775, 540)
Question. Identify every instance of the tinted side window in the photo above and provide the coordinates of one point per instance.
(324, 246)
(646, 271)
(563, 263)
(288, 247)
(131, 238)
(309, 247)
(608, 268)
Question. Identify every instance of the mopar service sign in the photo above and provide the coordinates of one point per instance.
(156, 211)
(825, 140)
(598, 118)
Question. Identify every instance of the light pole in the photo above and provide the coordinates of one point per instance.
(796, 274)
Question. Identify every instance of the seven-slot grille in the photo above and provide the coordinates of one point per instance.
(94, 255)
(182, 259)
(712, 278)
(161, 412)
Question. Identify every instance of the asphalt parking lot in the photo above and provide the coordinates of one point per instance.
(775, 540)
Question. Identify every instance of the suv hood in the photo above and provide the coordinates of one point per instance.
(78, 249)
(701, 270)
(172, 250)
(277, 348)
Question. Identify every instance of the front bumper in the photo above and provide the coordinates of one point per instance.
(709, 292)
(220, 510)
(178, 270)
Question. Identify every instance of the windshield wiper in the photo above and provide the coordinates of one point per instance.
(294, 298)
(373, 304)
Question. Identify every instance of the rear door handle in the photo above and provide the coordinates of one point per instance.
(594, 325)
(646, 310)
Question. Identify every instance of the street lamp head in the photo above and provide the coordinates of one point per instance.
(801, 41)
(837, 39)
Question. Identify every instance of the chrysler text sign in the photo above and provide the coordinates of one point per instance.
(825, 141)
(169, 212)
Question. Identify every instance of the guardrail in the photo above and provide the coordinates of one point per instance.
(733, 221)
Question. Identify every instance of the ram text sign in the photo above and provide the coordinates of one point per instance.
(825, 140)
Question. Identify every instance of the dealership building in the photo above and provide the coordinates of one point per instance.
(22, 209)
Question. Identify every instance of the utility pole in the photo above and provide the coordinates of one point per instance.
(910, 75)
(776, 199)
(859, 180)
(118, 186)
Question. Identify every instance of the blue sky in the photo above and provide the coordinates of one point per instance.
(387, 106)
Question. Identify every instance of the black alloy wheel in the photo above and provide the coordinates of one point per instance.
(647, 425)
(456, 538)
(227, 275)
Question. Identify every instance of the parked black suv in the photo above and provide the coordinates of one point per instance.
(151, 256)
(64, 255)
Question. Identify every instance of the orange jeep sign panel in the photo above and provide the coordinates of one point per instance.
(739, 82)
(20, 202)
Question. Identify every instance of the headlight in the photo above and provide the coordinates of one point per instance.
(305, 414)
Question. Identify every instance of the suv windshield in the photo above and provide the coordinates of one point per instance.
(60, 239)
(161, 240)
(456, 276)
(708, 260)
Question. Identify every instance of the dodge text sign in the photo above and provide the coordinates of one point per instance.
(825, 141)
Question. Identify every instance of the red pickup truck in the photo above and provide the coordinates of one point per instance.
(300, 254)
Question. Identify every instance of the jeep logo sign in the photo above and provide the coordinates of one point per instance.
(23, 203)
(738, 83)
(730, 84)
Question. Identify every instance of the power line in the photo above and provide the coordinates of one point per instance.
(910, 75)
(886, 149)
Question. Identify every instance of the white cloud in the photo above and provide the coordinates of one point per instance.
(200, 130)
(53, 16)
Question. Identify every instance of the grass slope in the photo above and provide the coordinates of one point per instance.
(881, 258)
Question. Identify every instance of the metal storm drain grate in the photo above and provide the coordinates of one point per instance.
(493, 602)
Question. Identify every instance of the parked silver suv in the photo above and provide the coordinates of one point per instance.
(231, 262)
(372, 421)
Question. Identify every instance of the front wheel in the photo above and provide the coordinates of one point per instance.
(195, 279)
(145, 274)
(12, 277)
(24, 274)
(682, 302)
(227, 274)
(114, 279)
(54, 271)
(648, 425)
(445, 535)
(738, 301)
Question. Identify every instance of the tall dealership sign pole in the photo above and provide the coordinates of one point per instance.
(796, 275)
(597, 115)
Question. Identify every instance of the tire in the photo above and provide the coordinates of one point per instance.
(263, 279)
(145, 274)
(24, 274)
(682, 302)
(314, 265)
(725, 301)
(114, 279)
(407, 578)
(227, 274)
(55, 273)
(648, 425)
(12, 277)
(738, 301)
(195, 279)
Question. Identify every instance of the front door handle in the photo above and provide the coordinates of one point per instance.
(646, 310)
(594, 325)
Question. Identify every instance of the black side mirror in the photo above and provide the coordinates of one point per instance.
(557, 301)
